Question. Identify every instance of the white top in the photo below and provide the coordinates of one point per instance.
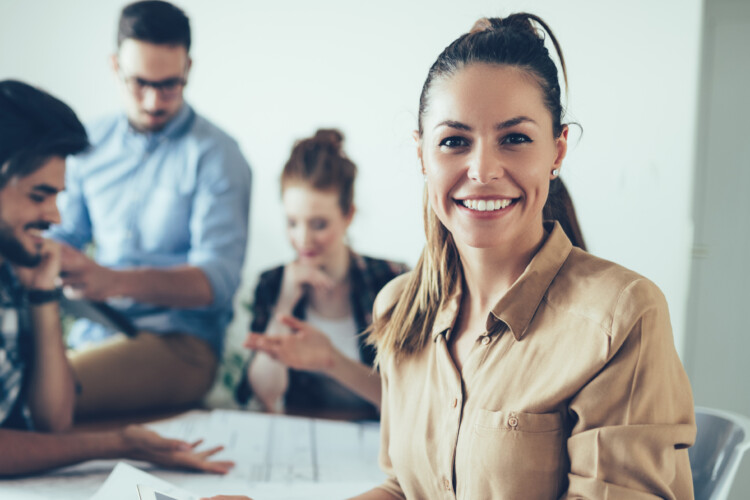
(341, 331)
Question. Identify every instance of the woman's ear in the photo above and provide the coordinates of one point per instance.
(114, 64)
(350, 216)
(561, 145)
(418, 141)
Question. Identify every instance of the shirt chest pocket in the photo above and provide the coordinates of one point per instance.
(515, 454)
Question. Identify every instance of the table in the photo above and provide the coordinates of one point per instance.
(277, 456)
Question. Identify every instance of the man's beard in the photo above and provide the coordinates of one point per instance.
(13, 250)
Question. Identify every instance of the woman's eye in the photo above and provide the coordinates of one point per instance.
(454, 142)
(318, 224)
(516, 139)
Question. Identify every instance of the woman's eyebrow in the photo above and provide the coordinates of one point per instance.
(500, 126)
(513, 122)
(453, 124)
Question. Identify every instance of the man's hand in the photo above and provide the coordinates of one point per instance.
(307, 348)
(43, 276)
(147, 445)
(87, 278)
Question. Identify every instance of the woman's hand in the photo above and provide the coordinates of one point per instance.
(297, 276)
(144, 444)
(306, 348)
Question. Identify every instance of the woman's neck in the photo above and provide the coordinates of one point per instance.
(337, 266)
(334, 303)
(489, 272)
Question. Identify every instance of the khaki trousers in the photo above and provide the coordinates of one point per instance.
(146, 372)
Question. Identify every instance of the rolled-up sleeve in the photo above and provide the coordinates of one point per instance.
(634, 420)
(219, 220)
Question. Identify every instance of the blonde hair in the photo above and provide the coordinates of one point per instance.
(406, 326)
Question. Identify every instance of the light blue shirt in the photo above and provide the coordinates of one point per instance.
(173, 197)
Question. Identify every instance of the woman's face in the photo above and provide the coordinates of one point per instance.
(487, 151)
(315, 224)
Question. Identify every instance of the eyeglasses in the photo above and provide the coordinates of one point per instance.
(168, 88)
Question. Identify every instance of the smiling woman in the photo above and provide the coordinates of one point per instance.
(514, 365)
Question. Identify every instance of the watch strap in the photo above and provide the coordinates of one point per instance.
(36, 296)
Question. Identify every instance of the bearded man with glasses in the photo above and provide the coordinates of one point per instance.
(164, 196)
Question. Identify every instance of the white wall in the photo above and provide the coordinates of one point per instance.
(271, 73)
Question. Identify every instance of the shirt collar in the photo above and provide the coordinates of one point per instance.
(176, 127)
(447, 314)
(519, 304)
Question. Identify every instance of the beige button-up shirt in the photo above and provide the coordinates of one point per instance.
(574, 391)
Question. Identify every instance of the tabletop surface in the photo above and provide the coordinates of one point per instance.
(276, 456)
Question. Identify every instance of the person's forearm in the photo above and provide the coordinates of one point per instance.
(361, 379)
(269, 380)
(28, 452)
(51, 382)
(184, 286)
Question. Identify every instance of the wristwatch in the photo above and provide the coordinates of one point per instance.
(36, 296)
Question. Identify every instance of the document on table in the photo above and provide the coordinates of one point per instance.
(125, 480)
(123, 483)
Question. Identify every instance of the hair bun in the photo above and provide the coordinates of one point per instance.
(521, 21)
(330, 136)
(482, 24)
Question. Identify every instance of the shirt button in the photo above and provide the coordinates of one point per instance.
(513, 421)
(447, 484)
(455, 402)
(485, 340)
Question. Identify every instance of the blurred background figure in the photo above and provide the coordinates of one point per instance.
(37, 133)
(164, 195)
(307, 315)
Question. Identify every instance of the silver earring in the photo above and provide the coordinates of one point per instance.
(555, 172)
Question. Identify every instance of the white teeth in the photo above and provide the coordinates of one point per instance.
(486, 205)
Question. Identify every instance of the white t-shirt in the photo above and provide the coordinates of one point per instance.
(341, 331)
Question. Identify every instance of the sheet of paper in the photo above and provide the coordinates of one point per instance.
(122, 484)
